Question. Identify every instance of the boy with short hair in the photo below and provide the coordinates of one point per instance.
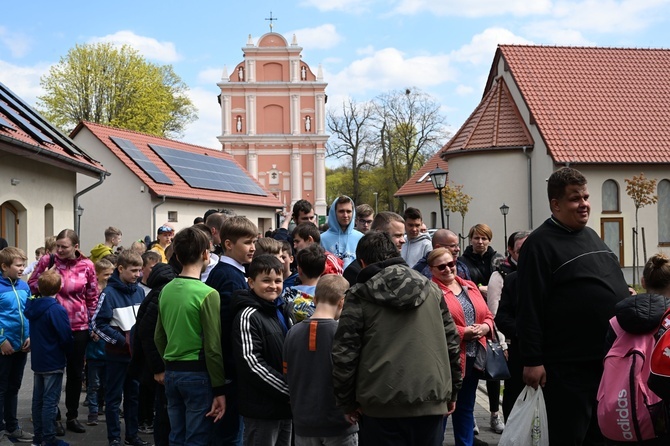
(52, 336)
(95, 354)
(306, 234)
(164, 236)
(113, 321)
(149, 259)
(418, 243)
(309, 371)
(14, 340)
(188, 337)
(290, 274)
(260, 326)
(39, 253)
(238, 237)
(311, 263)
(112, 240)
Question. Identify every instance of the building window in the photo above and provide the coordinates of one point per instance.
(610, 196)
(664, 212)
(173, 216)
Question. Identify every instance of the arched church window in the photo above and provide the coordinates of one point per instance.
(610, 196)
(663, 207)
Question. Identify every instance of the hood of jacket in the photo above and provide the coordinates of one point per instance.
(116, 283)
(160, 275)
(334, 226)
(36, 307)
(422, 236)
(391, 283)
(641, 313)
(100, 250)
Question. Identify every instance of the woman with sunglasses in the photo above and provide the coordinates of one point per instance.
(474, 322)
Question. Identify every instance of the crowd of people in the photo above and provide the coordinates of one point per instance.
(368, 331)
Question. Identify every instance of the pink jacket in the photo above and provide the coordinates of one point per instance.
(482, 313)
(79, 292)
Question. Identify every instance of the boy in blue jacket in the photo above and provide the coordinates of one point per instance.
(14, 340)
(113, 321)
(52, 334)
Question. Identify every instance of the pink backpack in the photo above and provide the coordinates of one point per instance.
(627, 409)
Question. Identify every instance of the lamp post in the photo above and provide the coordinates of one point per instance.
(439, 179)
(80, 212)
(504, 210)
(446, 212)
(376, 194)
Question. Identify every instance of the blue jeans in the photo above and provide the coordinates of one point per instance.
(117, 382)
(46, 395)
(189, 396)
(94, 380)
(463, 418)
(11, 374)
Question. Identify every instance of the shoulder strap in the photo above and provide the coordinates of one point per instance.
(52, 260)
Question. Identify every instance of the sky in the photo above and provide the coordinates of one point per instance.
(365, 47)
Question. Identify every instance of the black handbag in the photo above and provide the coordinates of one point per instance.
(496, 364)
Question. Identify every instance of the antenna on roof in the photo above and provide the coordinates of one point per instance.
(271, 19)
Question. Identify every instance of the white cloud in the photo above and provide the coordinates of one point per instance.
(482, 46)
(17, 43)
(351, 6)
(23, 80)
(204, 131)
(473, 8)
(464, 90)
(321, 37)
(147, 46)
(607, 16)
(210, 76)
(365, 50)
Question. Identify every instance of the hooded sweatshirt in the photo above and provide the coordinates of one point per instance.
(396, 350)
(415, 249)
(13, 324)
(340, 242)
(79, 294)
(51, 334)
(99, 251)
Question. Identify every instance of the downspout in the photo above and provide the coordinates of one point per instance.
(75, 200)
(154, 216)
(530, 187)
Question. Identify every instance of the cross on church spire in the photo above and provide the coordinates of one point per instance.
(271, 19)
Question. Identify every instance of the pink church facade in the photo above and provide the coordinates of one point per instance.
(273, 120)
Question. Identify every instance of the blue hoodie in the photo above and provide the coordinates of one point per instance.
(341, 243)
(13, 324)
(51, 338)
(115, 316)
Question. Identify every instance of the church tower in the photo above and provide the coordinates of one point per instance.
(273, 120)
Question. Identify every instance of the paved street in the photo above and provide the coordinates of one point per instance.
(97, 435)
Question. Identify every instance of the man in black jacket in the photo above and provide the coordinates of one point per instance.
(569, 282)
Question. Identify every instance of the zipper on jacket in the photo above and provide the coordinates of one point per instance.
(18, 304)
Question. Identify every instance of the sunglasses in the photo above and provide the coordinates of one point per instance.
(444, 266)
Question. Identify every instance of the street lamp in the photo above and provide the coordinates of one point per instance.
(439, 179)
(504, 210)
(80, 212)
(376, 201)
(446, 212)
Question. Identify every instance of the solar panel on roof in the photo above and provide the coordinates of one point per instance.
(141, 160)
(5, 123)
(208, 172)
(24, 123)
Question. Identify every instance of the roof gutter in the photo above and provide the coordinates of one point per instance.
(154, 215)
(77, 210)
(529, 186)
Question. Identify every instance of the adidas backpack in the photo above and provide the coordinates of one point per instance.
(659, 376)
(628, 410)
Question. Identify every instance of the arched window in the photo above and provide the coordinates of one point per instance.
(664, 212)
(9, 223)
(610, 196)
(48, 220)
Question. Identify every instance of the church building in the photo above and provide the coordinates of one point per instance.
(273, 120)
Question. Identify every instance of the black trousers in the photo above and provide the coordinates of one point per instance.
(570, 396)
(74, 372)
(408, 431)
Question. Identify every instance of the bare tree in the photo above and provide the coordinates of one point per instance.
(352, 139)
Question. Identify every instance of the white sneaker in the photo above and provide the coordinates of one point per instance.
(497, 423)
(476, 428)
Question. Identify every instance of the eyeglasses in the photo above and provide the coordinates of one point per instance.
(444, 266)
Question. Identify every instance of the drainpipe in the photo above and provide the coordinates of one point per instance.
(154, 216)
(530, 187)
(77, 216)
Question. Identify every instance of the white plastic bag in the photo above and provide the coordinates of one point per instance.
(527, 424)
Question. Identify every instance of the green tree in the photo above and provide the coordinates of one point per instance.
(115, 86)
(455, 200)
(641, 190)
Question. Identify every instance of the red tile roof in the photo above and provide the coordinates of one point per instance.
(179, 189)
(25, 132)
(595, 105)
(415, 187)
